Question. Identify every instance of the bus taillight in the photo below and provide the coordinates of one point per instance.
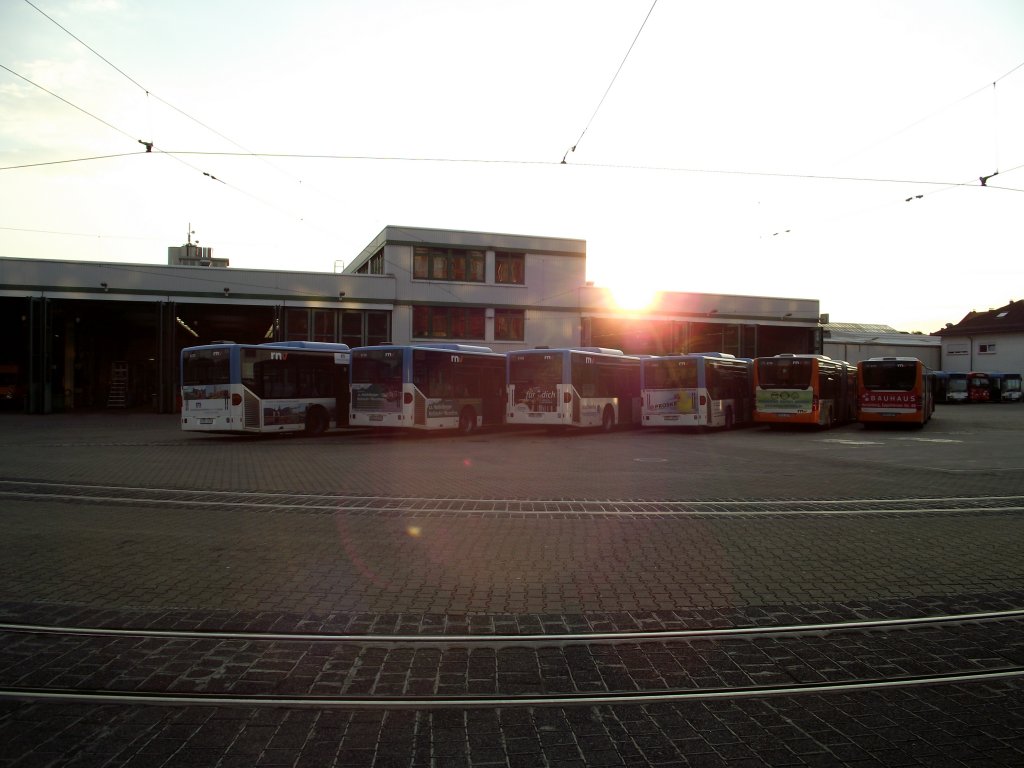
(236, 399)
(407, 398)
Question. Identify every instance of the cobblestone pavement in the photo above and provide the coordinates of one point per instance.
(124, 521)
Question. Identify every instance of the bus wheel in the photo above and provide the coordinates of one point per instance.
(607, 419)
(467, 421)
(316, 421)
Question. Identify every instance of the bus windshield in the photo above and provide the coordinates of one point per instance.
(784, 373)
(206, 366)
(671, 374)
(889, 374)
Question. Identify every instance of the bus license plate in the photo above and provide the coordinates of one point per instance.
(206, 421)
(376, 417)
(672, 418)
(535, 415)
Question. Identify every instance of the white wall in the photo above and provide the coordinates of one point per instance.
(962, 354)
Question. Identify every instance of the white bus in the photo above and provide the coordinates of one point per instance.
(581, 387)
(711, 389)
(427, 386)
(286, 386)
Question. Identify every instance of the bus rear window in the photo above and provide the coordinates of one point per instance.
(784, 374)
(889, 375)
(206, 366)
(670, 374)
(377, 367)
(535, 370)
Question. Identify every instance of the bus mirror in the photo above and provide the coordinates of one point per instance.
(236, 399)
(567, 397)
(407, 398)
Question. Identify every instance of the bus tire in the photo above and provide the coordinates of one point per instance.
(316, 421)
(608, 419)
(467, 421)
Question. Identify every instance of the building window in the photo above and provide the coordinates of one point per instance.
(455, 264)
(448, 322)
(510, 268)
(509, 325)
(364, 328)
(373, 265)
(323, 325)
(987, 349)
(297, 324)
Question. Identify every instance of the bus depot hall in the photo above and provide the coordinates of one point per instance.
(93, 335)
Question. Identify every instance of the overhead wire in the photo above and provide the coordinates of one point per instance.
(934, 113)
(73, 106)
(150, 94)
(610, 84)
(980, 181)
(128, 77)
(150, 148)
(73, 160)
(246, 152)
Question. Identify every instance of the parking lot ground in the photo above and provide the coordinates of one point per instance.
(123, 521)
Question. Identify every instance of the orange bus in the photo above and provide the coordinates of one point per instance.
(804, 389)
(894, 390)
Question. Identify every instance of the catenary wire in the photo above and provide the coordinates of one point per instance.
(614, 77)
(166, 103)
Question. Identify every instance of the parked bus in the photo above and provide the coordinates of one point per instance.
(710, 389)
(956, 388)
(285, 386)
(1005, 387)
(427, 386)
(582, 387)
(804, 389)
(894, 390)
(978, 387)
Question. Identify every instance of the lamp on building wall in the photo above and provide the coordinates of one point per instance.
(341, 295)
(227, 291)
(103, 286)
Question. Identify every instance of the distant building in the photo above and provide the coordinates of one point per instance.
(992, 341)
(854, 342)
(191, 255)
(94, 334)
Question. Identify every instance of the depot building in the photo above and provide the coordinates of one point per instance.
(90, 335)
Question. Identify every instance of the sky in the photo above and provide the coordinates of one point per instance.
(823, 150)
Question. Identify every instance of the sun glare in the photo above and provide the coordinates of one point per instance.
(633, 296)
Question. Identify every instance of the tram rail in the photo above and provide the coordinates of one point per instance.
(126, 666)
(411, 505)
(525, 640)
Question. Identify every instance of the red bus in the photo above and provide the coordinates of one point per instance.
(894, 390)
(978, 387)
(804, 389)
